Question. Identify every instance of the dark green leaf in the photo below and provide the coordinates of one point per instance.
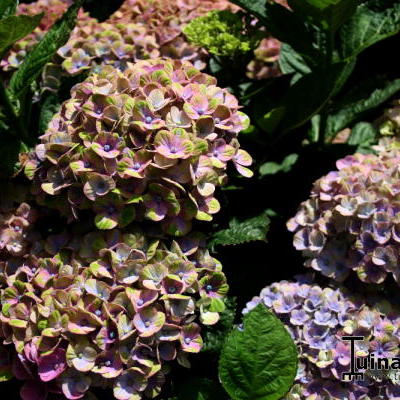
(329, 14)
(291, 62)
(372, 22)
(44, 51)
(201, 389)
(255, 7)
(215, 335)
(277, 19)
(50, 106)
(258, 362)
(249, 230)
(310, 94)
(363, 135)
(270, 121)
(365, 99)
(14, 28)
(8, 8)
(9, 156)
(271, 168)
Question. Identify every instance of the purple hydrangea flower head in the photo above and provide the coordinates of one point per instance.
(317, 331)
(350, 223)
(152, 160)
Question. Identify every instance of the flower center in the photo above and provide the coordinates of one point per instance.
(172, 290)
(149, 119)
(136, 166)
(98, 312)
(174, 150)
(217, 120)
(110, 210)
(140, 302)
(187, 340)
(111, 335)
(107, 148)
(200, 112)
(17, 228)
(209, 288)
(147, 324)
(107, 363)
(86, 164)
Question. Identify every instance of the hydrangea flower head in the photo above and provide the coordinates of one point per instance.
(151, 142)
(317, 319)
(350, 223)
(106, 309)
(221, 33)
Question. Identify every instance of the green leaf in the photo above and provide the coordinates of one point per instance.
(363, 135)
(14, 28)
(258, 362)
(249, 230)
(201, 389)
(44, 51)
(329, 14)
(312, 92)
(277, 18)
(366, 98)
(271, 168)
(8, 8)
(373, 21)
(291, 62)
(270, 121)
(10, 150)
(214, 335)
(50, 106)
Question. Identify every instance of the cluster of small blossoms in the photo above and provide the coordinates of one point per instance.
(53, 10)
(317, 319)
(138, 30)
(351, 222)
(150, 142)
(107, 310)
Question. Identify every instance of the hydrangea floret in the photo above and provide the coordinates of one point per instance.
(222, 33)
(151, 142)
(106, 310)
(317, 318)
(351, 222)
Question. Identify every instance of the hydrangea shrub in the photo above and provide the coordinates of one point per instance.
(106, 310)
(151, 142)
(350, 223)
(317, 318)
